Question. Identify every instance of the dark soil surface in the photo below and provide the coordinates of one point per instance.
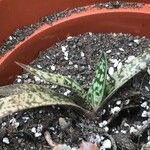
(125, 120)
(20, 34)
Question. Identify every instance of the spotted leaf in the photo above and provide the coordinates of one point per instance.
(110, 84)
(128, 71)
(55, 79)
(15, 89)
(96, 91)
(33, 96)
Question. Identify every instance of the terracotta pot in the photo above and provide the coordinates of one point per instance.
(18, 13)
(134, 21)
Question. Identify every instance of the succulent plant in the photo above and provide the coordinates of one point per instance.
(18, 97)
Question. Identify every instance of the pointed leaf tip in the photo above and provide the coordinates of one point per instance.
(96, 91)
(55, 79)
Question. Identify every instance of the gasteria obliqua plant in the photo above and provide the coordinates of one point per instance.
(18, 97)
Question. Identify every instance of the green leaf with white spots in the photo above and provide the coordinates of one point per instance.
(15, 89)
(55, 79)
(128, 71)
(110, 84)
(33, 96)
(96, 91)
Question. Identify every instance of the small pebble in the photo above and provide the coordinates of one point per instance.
(14, 123)
(133, 130)
(25, 119)
(82, 54)
(116, 131)
(47, 57)
(139, 127)
(102, 124)
(111, 71)
(39, 66)
(113, 60)
(148, 70)
(69, 37)
(33, 130)
(147, 107)
(67, 92)
(10, 38)
(52, 128)
(102, 138)
(116, 63)
(38, 134)
(127, 101)
(63, 123)
(148, 114)
(70, 63)
(137, 41)
(126, 125)
(89, 67)
(90, 33)
(118, 102)
(115, 110)
(4, 124)
(39, 128)
(147, 89)
(109, 51)
(66, 55)
(76, 66)
(53, 67)
(74, 148)
(6, 140)
(144, 114)
(123, 131)
(63, 48)
(106, 144)
(106, 129)
(144, 104)
(95, 139)
(148, 138)
(121, 49)
(19, 80)
(144, 122)
(104, 111)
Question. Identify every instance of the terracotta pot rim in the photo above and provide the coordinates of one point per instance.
(25, 14)
(7, 61)
(87, 12)
(86, 8)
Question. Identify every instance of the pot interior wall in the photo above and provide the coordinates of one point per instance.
(125, 22)
(18, 13)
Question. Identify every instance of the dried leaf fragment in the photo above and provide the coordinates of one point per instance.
(88, 146)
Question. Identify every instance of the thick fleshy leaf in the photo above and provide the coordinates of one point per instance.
(110, 84)
(55, 79)
(128, 71)
(15, 89)
(35, 96)
(96, 91)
